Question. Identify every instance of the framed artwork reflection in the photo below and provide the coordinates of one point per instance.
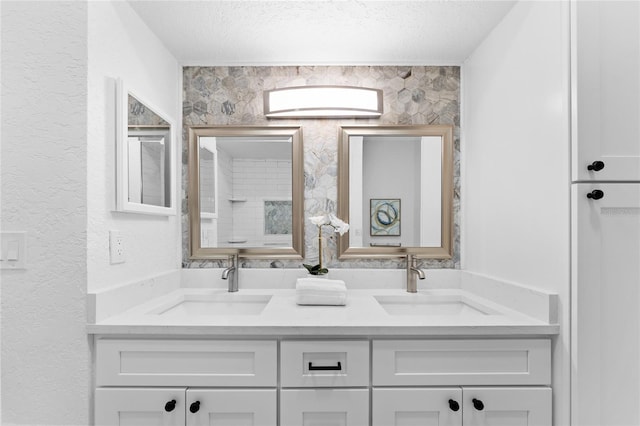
(385, 217)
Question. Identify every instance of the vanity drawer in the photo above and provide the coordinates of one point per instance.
(324, 363)
(327, 407)
(186, 363)
(461, 362)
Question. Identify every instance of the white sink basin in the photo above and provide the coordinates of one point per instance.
(217, 304)
(425, 305)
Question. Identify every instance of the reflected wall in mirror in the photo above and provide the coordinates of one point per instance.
(145, 157)
(395, 189)
(246, 192)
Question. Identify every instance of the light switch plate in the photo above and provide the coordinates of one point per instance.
(13, 250)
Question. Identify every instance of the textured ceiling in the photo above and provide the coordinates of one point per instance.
(346, 32)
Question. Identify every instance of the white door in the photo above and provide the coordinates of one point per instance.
(324, 407)
(606, 90)
(139, 406)
(231, 407)
(606, 304)
(417, 407)
(506, 406)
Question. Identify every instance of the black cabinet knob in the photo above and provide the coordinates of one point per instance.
(195, 407)
(454, 405)
(477, 404)
(596, 166)
(596, 194)
(170, 406)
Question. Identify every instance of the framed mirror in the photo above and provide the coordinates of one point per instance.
(395, 189)
(145, 156)
(246, 192)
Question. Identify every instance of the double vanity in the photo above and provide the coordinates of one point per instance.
(188, 352)
(180, 349)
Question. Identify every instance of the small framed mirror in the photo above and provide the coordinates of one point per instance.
(145, 156)
(246, 188)
(395, 189)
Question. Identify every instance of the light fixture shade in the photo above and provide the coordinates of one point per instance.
(322, 101)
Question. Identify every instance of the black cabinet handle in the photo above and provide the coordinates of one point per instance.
(596, 166)
(477, 404)
(170, 406)
(596, 194)
(454, 405)
(195, 407)
(326, 367)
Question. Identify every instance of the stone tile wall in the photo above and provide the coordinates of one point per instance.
(233, 96)
(140, 114)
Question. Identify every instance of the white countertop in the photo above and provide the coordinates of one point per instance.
(361, 316)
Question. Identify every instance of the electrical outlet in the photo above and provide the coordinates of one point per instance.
(116, 247)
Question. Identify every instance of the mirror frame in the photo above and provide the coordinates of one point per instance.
(122, 158)
(445, 251)
(297, 193)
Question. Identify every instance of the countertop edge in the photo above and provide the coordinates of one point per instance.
(318, 331)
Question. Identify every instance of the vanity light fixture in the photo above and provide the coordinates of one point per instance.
(322, 102)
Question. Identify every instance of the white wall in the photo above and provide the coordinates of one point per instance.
(516, 161)
(45, 352)
(392, 173)
(58, 61)
(122, 46)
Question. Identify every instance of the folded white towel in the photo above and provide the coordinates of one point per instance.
(320, 291)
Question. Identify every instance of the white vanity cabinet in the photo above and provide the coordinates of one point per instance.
(417, 406)
(606, 90)
(173, 362)
(521, 369)
(462, 406)
(326, 407)
(184, 407)
(140, 406)
(324, 382)
(199, 382)
(513, 406)
(341, 382)
(237, 407)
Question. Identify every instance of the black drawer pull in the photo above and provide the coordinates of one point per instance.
(326, 367)
(596, 194)
(195, 407)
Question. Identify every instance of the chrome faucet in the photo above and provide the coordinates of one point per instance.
(233, 271)
(412, 272)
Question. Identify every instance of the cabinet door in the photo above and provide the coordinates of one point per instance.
(606, 89)
(506, 406)
(606, 305)
(231, 407)
(417, 407)
(139, 407)
(324, 407)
